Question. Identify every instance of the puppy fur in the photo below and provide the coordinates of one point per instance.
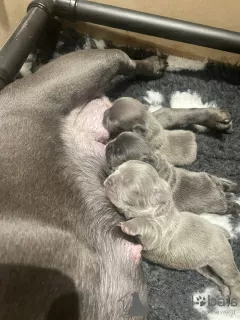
(128, 114)
(197, 192)
(179, 240)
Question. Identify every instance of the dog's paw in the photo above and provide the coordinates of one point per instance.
(233, 208)
(159, 65)
(128, 228)
(225, 292)
(230, 186)
(152, 67)
(220, 120)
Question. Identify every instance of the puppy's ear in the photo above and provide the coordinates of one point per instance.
(150, 159)
(161, 196)
(140, 129)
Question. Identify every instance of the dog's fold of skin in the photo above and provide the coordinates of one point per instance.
(179, 240)
(179, 146)
(55, 215)
(128, 114)
(196, 192)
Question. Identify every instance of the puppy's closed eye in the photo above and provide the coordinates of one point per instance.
(118, 151)
(140, 129)
(150, 159)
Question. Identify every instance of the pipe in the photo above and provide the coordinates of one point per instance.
(19, 45)
(149, 24)
(21, 42)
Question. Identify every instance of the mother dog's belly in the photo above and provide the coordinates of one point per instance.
(83, 132)
(84, 139)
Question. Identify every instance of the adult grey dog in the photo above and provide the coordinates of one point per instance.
(61, 254)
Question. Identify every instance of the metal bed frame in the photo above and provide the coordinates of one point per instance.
(26, 35)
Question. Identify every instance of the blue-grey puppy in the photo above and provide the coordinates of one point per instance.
(197, 192)
(180, 240)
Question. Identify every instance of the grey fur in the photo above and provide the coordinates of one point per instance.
(197, 192)
(179, 146)
(54, 211)
(212, 118)
(179, 240)
(61, 254)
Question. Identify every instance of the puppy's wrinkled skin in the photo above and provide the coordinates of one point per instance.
(196, 192)
(179, 146)
(179, 240)
(128, 114)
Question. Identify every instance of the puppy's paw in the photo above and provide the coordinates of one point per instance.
(230, 186)
(225, 292)
(233, 208)
(128, 228)
(235, 293)
(220, 120)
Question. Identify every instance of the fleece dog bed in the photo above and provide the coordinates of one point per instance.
(181, 295)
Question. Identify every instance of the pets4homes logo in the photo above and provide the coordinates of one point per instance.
(213, 301)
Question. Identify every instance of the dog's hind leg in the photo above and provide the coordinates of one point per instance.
(212, 118)
(225, 268)
(208, 274)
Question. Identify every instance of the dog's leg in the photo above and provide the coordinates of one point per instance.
(225, 184)
(226, 269)
(153, 66)
(208, 274)
(79, 77)
(212, 118)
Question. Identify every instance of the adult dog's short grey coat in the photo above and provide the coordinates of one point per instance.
(61, 255)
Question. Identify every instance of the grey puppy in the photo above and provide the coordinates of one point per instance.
(179, 146)
(179, 240)
(196, 192)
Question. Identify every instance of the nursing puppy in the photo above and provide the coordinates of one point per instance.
(196, 192)
(128, 114)
(179, 240)
(179, 146)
